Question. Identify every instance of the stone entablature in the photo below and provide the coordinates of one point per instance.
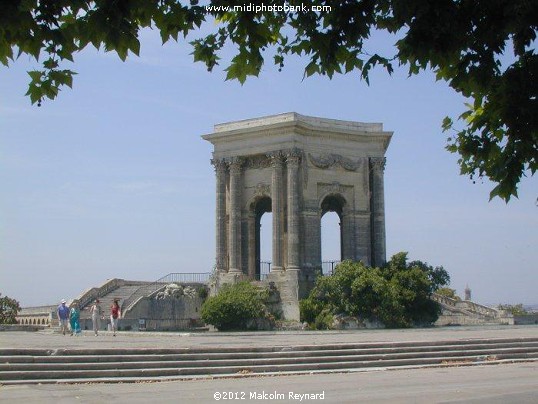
(298, 168)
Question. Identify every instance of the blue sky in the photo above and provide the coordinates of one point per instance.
(112, 179)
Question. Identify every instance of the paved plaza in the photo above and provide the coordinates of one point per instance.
(48, 339)
(500, 384)
(506, 383)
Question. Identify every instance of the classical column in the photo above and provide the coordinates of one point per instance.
(377, 208)
(253, 243)
(363, 235)
(235, 214)
(221, 255)
(293, 157)
(276, 207)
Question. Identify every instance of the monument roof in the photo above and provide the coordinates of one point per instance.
(298, 119)
(292, 129)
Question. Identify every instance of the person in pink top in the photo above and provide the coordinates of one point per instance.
(115, 314)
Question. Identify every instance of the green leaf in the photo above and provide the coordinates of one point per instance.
(312, 68)
(447, 124)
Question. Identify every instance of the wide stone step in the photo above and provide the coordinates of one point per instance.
(277, 349)
(118, 374)
(112, 355)
(79, 364)
(50, 366)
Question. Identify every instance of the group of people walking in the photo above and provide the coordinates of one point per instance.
(69, 317)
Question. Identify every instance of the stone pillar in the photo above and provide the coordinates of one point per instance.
(235, 215)
(276, 207)
(347, 235)
(363, 236)
(221, 250)
(252, 245)
(293, 159)
(377, 208)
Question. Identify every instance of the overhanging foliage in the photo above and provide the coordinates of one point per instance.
(484, 49)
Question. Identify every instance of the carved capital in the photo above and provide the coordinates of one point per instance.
(378, 163)
(293, 156)
(235, 164)
(276, 158)
(219, 165)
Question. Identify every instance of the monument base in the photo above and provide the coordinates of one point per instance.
(287, 282)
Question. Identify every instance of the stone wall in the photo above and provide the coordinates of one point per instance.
(167, 313)
(38, 315)
(527, 319)
(158, 315)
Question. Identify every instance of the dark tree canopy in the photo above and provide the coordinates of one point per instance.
(8, 310)
(484, 49)
(398, 294)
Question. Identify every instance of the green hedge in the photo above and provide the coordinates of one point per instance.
(234, 306)
(398, 294)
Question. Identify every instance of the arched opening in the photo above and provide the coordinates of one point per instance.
(263, 236)
(332, 208)
(266, 242)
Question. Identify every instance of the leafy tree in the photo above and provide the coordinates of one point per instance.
(415, 282)
(234, 306)
(398, 294)
(467, 43)
(437, 276)
(8, 310)
(514, 309)
(447, 292)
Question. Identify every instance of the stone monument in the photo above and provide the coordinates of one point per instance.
(299, 168)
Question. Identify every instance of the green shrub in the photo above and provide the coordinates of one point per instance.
(203, 292)
(447, 292)
(234, 306)
(514, 309)
(398, 294)
(8, 310)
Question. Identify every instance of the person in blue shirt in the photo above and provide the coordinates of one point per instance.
(63, 317)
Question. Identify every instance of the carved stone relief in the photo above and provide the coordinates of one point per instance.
(330, 160)
(262, 189)
(258, 161)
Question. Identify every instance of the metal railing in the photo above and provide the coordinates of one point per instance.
(174, 277)
(327, 267)
(265, 268)
(181, 277)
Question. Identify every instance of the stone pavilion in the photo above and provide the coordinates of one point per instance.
(299, 168)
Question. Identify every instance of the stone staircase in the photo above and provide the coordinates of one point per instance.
(465, 312)
(33, 366)
(121, 293)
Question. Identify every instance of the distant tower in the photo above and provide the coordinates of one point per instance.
(467, 293)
